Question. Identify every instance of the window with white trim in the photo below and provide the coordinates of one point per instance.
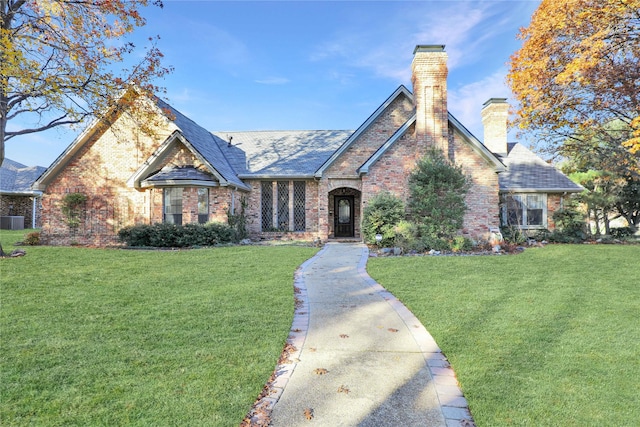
(524, 210)
(172, 201)
(203, 205)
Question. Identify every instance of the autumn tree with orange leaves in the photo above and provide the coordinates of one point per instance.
(579, 69)
(63, 61)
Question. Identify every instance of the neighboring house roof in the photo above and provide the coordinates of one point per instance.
(16, 178)
(280, 154)
(529, 173)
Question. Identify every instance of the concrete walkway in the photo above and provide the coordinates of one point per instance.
(358, 356)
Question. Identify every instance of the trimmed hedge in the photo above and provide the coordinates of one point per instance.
(178, 236)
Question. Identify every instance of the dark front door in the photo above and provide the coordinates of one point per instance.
(343, 216)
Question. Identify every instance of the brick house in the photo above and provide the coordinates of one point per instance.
(19, 204)
(311, 183)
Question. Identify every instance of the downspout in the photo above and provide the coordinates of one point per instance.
(37, 195)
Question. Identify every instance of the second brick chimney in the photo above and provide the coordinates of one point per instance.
(495, 113)
(429, 78)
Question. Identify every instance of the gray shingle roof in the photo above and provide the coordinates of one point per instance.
(528, 172)
(184, 173)
(203, 141)
(292, 153)
(17, 178)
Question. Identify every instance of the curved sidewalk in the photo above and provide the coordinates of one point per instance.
(360, 357)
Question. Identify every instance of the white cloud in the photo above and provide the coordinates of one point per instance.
(465, 102)
(273, 81)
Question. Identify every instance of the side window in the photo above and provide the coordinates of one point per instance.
(203, 205)
(172, 200)
(267, 206)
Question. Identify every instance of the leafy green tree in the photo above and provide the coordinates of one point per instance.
(437, 190)
(381, 215)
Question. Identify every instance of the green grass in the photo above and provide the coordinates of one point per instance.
(117, 337)
(550, 337)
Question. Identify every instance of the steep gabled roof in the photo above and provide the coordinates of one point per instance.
(204, 143)
(401, 91)
(529, 173)
(157, 160)
(388, 144)
(477, 146)
(280, 154)
(16, 178)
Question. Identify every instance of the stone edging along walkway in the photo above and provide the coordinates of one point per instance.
(452, 402)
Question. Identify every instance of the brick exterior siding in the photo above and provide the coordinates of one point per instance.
(105, 163)
(21, 206)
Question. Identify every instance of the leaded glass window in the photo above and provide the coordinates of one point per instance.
(299, 222)
(283, 205)
(267, 206)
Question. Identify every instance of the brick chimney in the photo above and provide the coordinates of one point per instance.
(429, 78)
(495, 113)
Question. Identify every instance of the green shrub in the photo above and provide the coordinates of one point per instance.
(436, 243)
(437, 196)
(513, 234)
(163, 235)
(621, 232)
(383, 212)
(32, 239)
(72, 208)
(406, 237)
(461, 244)
(570, 224)
(238, 221)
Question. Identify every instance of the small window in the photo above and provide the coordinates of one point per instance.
(283, 205)
(267, 206)
(299, 211)
(203, 205)
(172, 199)
(525, 210)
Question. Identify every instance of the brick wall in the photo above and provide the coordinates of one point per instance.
(100, 170)
(254, 209)
(21, 206)
(394, 116)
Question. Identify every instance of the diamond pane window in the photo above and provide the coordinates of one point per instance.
(283, 205)
(267, 206)
(299, 223)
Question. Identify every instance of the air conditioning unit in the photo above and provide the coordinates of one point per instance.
(12, 222)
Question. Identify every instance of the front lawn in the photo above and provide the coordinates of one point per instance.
(121, 337)
(550, 337)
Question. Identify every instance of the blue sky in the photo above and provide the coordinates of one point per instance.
(261, 65)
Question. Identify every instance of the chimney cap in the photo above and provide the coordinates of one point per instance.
(494, 101)
(428, 48)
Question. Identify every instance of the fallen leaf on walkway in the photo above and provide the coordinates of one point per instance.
(313, 349)
(343, 389)
(308, 413)
(344, 336)
(297, 330)
(393, 330)
(320, 371)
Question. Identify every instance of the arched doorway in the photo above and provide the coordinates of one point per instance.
(344, 213)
